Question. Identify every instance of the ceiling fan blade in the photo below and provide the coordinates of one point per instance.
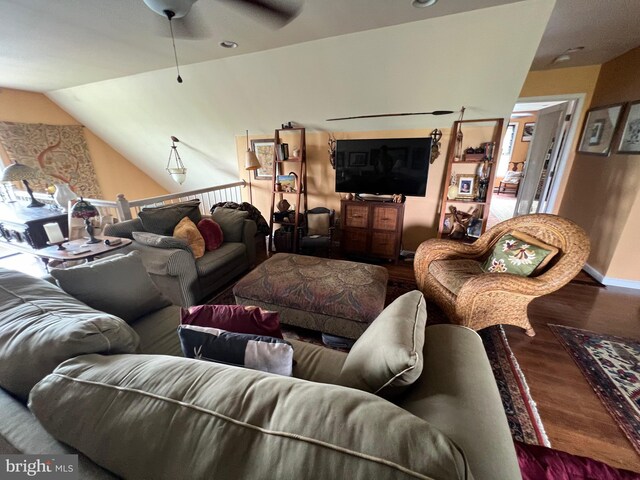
(276, 12)
(435, 112)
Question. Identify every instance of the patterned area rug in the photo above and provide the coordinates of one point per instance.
(520, 408)
(611, 365)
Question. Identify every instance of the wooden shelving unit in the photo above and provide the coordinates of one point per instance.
(297, 136)
(470, 159)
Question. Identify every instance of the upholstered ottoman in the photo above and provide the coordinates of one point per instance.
(330, 296)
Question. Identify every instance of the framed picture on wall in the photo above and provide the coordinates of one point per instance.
(598, 129)
(527, 131)
(630, 139)
(264, 151)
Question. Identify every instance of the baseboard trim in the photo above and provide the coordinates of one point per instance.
(610, 281)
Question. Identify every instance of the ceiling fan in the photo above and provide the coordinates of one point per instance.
(271, 11)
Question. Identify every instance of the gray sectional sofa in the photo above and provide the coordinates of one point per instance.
(182, 278)
(78, 380)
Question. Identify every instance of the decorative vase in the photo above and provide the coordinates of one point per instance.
(63, 195)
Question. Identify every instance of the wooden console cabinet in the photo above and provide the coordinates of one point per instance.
(21, 227)
(371, 229)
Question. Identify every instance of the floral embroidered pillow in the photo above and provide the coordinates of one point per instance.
(520, 256)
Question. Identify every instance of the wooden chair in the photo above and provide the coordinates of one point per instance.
(511, 182)
(476, 299)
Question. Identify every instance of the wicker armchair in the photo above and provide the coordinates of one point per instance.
(478, 300)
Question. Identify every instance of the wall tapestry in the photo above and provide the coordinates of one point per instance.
(60, 152)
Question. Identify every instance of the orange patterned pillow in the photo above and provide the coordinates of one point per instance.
(187, 231)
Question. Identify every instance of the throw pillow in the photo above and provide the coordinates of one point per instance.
(187, 231)
(231, 222)
(388, 355)
(118, 285)
(160, 241)
(256, 352)
(233, 318)
(162, 220)
(512, 255)
(211, 232)
(318, 224)
(553, 250)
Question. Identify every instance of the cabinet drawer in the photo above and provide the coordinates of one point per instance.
(357, 216)
(383, 244)
(385, 218)
(354, 241)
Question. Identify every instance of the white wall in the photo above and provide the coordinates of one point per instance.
(478, 59)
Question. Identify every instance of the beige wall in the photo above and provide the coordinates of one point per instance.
(558, 82)
(603, 193)
(115, 173)
(421, 213)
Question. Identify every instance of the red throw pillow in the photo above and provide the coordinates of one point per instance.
(233, 318)
(211, 232)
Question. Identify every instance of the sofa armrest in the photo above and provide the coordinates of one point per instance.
(249, 239)
(123, 229)
(173, 271)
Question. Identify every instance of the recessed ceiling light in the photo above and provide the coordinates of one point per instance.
(228, 44)
(423, 3)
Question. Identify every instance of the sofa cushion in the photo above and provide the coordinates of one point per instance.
(453, 274)
(187, 231)
(211, 232)
(158, 332)
(388, 355)
(118, 285)
(233, 318)
(231, 222)
(267, 354)
(171, 418)
(41, 326)
(221, 260)
(513, 255)
(162, 220)
(160, 241)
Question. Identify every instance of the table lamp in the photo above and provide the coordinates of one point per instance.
(83, 209)
(19, 172)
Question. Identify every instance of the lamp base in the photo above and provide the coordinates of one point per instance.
(35, 203)
(92, 241)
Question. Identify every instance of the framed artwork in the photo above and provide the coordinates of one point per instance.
(598, 130)
(475, 228)
(264, 151)
(527, 131)
(287, 182)
(467, 185)
(630, 139)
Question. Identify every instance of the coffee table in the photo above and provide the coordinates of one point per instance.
(80, 250)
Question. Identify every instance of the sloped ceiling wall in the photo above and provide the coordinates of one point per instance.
(478, 59)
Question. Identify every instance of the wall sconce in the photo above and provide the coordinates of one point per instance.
(251, 162)
(179, 172)
(332, 150)
(436, 135)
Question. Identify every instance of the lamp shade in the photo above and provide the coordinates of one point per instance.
(83, 209)
(18, 172)
(251, 162)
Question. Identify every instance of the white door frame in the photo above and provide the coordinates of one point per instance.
(567, 147)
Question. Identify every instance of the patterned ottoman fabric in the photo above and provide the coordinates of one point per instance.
(331, 296)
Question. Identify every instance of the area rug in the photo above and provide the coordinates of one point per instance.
(524, 421)
(611, 365)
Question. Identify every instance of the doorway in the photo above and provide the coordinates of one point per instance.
(531, 163)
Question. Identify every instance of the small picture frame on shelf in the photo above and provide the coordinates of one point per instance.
(475, 228)
(630, 138)
(287, 182)
(598, 130)
(467, 186)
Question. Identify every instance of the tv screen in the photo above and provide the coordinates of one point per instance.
(383, 166)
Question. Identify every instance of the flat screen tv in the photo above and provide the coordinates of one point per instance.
(383, 166)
